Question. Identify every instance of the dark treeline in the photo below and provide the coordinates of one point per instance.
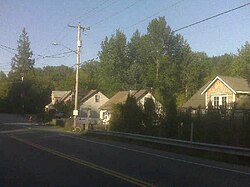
(159, 60)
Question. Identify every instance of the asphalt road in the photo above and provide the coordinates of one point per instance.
(40, 156)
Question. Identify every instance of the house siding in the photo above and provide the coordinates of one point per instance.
(92, 104)
(219, 88)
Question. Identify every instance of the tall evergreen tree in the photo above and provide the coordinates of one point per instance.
(23, 62)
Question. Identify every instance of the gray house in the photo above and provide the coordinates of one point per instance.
(89, 106)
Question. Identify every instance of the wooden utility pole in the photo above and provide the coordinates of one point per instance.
(78, 56)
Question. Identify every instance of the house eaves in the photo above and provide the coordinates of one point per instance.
(89, 95)
(218, 78)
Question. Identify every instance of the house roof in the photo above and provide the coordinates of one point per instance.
(89, 95)
(197, 100)
(62, 95)
(121, 97)
(236, 85)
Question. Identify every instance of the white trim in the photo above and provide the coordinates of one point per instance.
(213, 83)
(243, 92)
(233, 98)
(206, 103)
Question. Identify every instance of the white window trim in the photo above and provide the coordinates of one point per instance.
(220, 98)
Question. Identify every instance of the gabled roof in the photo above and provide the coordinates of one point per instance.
(121, 97)
(197, 100)
(236, 85)
(61, 94)
(89, 95)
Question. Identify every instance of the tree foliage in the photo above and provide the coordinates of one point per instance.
(127, 117)
(23, 62)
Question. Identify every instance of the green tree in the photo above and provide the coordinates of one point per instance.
(23, 62)
(127, 117)
(4, 89)
(88, 75)
(222, 65)
(55, 77)
(194, 73)
(241, 64)
(149, 116)
(113, 63)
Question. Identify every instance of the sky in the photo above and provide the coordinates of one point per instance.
(47, 22)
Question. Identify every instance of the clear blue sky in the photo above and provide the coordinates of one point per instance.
(46, 22)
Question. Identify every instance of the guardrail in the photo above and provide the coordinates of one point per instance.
(240, 151)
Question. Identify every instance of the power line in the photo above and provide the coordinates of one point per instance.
(116, 13)
(93, 9)
(7, 50)
(211, 17)
(88, 12)
(110, 4)
(56, 55)
(155, 14)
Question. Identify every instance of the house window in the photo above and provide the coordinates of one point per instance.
(219, 101)
(97, 98)
(216, 102)
(224, 102)
(105, 115)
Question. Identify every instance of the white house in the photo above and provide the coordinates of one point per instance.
(121, 97)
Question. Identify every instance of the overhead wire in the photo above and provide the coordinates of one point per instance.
(212, 17)
(116, 13)
(154, 14)
(105, 7)
(93, 9)
(87, 13)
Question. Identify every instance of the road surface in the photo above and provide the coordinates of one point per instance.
(33, 155)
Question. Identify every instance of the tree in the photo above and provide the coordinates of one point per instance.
(149, 116)
(194, 73)
(127, 117)
(241, 64)
(88, 75)
(23, 62)
(113, 63)
(4, 89)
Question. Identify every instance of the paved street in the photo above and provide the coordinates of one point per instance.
(40, 156)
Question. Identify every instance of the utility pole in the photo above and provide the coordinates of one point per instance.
(78, 56)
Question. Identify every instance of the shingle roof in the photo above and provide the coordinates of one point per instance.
(237, 84)
(121, 97)
(197, 100)
(60, 94)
